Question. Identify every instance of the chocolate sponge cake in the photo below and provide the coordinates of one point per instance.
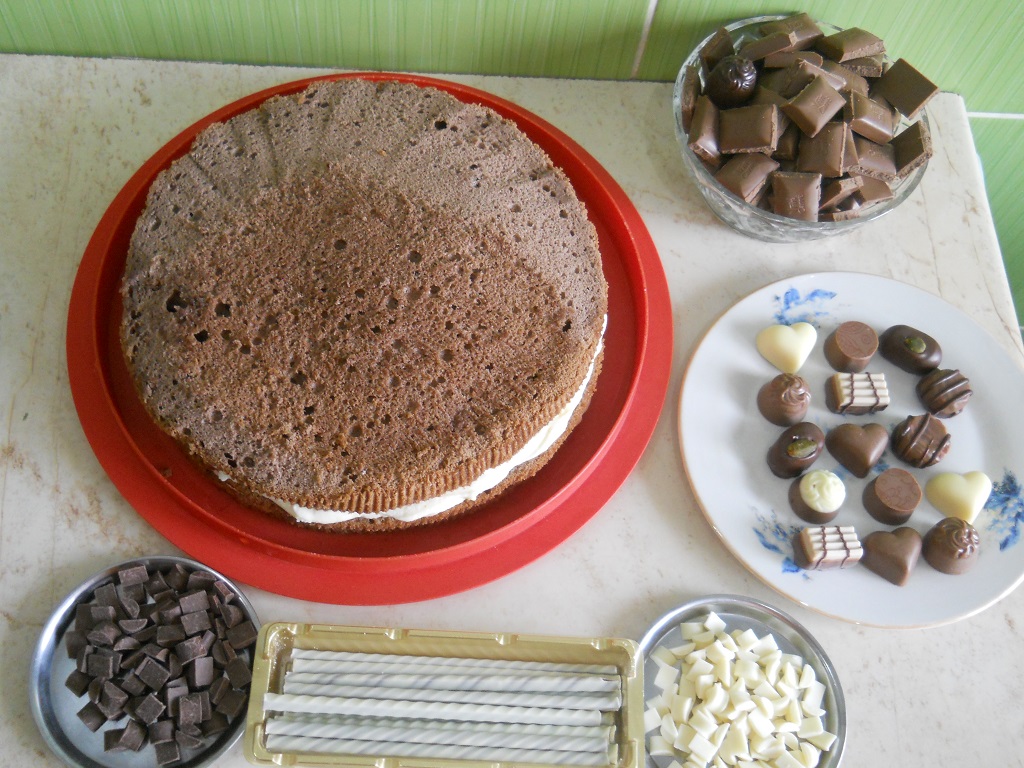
(367, 306)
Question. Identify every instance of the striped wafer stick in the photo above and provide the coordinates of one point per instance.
(280, 743)
(351, 657)
(547, 682)
(286, 702)
(326, 687)
(598, 741)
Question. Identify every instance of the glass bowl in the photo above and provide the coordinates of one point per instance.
(747, 218)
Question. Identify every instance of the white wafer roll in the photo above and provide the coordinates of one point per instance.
(276, 743)
(323, 686)
(389, 734)
(452, 661)
(603, 731)
(547, 682)
(286, 702)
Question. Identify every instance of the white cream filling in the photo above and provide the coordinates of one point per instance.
(535, 446)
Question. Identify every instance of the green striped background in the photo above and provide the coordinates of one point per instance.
(972, 48)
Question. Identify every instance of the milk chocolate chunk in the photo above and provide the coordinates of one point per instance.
(796, 449)
(912, 148)
(850, 347)
(703, 134)
(784, 400)
(787, 82)
(944, 392)
(716, 48)
(689, 90)
(852, 43)
(856, 447)
(814, 106)
(920, 441)
(790, 58)
(848, 80)
(824, 153)
(857, 393)
(835, 192)
(875, 160)
(801, 25)
(789, 141)
(905, 88)
(951, 546)
(746, 175)
(816, 496)
(796, 194)
(827, 546)
(892, 497)
(757, 49)
(892, 554)
(754, 128)
(869, 118)
(872, 191)
(867, 66)
(909, 349)
(732, 82)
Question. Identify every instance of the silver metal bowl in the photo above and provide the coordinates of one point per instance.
(54, 707)
(750, 219)
(743, 613)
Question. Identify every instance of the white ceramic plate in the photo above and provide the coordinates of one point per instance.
(724, 441)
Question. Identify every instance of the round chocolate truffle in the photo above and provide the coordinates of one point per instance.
(944, 392)
(784, 399)
(796, 449)
(920, 441)
(892, 497)
(952, 545)
(909, 349)
(817, 496)
(850, 347)
(732, 82)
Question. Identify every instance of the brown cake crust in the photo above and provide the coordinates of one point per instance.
(361, 297)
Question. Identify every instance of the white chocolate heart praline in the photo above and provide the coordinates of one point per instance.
(956, 495)
(787, 346)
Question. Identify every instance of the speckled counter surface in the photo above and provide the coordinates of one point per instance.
(74, 130)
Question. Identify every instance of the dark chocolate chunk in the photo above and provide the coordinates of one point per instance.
(200, 672)
(238, 672)
(77, 682)
(161, 731)
(74, 642)
(91, 716)
(195, 622)
(167, 752)
(242, 635)
(232, 703)
(152, 673)
(148, 708)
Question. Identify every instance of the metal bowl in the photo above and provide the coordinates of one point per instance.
(743, 613)
(750, 219)
(54, 707)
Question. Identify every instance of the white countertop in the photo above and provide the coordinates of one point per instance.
(74, 130)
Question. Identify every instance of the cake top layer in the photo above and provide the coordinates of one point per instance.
(360, 296)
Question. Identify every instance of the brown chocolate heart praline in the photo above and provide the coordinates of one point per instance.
(892, 554)
(856, 447)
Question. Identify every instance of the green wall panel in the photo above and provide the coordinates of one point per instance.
(582, 38)
(972, 48)
(1000, 144)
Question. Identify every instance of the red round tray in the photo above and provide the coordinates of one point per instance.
(194, 513)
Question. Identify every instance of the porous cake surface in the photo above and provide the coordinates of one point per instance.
(361, 297)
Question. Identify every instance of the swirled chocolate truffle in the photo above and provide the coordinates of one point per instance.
(920, 441)
(944, 392)
(909, 349)
(796, 449)
(951, 545)
(732, 82)
(784, 399)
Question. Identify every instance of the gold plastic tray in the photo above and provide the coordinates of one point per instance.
(278, 640)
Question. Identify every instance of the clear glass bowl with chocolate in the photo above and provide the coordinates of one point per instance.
(794, 129)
